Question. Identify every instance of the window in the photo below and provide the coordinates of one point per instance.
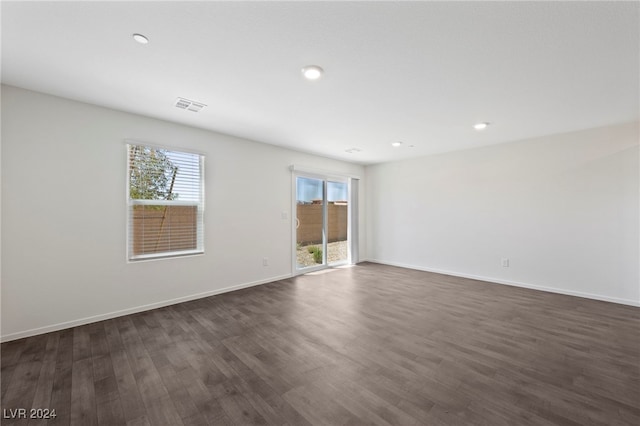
(165, 202)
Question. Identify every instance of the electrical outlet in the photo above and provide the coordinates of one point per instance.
(265, 261)
(505, 262)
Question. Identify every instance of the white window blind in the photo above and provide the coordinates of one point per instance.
(165, 202)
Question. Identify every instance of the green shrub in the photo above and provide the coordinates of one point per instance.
(316, 252)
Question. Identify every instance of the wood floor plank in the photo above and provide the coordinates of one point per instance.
(62, 380)
(317, 408)
(44, 387)
(139, 421)
(185, 407)
(205, 398)
(83, 400)
(240, 411)
(10, 354)
(158, 404)
(108, 403)
(130, 399)
(81, 343)
(370, 344)
(22, 388)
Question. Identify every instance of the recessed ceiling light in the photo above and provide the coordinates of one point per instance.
(312, 72)
(396, 144)
(140, 39)
(480, 126)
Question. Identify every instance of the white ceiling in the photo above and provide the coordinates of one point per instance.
(418, 72)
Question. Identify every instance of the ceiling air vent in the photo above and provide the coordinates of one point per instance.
(193, 106)
(352, 150)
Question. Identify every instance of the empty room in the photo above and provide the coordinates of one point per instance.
(320, 213)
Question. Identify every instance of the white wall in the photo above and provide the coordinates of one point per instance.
(563, 209)
(63, 214)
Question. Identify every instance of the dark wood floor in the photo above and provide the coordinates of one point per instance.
(370, 344)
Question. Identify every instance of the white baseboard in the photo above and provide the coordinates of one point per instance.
(511, 283)
(133, 310)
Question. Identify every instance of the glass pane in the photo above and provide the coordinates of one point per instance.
(159, 229)
(309, 222)
(165, 200)
(338, 214)
(159, 174)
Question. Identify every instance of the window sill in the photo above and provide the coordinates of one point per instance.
(166, 255)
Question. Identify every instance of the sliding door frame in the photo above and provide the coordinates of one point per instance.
(325, 177)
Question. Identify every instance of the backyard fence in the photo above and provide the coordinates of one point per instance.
(160, 229)
(310, 223)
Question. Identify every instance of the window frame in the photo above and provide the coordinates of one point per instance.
(130, 203)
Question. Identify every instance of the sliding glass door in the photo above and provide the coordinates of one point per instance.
(321, 222)
(310, 218)
(337, 222)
